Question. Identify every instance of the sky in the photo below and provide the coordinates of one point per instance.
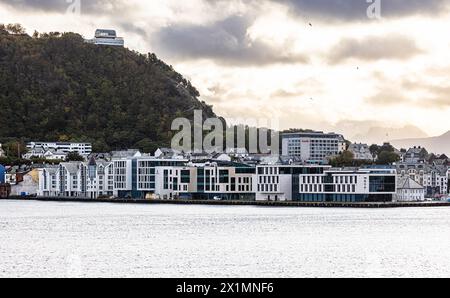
(379, 69)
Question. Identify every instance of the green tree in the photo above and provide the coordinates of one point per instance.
(346, 159)
(74, 156)
(387, 158)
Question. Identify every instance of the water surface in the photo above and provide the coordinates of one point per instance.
(49, 239)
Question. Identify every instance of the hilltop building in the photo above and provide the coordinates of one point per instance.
(106, 37)
(57, 150)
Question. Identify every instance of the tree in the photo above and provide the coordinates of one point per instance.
(387, 158)
(374, 149)
(346, 159)
(15, 149)
(74, 156)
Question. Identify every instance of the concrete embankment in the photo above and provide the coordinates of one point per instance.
(242, 203)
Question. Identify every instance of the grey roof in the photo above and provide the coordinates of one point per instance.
(125, 153)
(71, 167)
(408, 183)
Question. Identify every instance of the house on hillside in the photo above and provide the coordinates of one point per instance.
(416, 155)
(360, 151)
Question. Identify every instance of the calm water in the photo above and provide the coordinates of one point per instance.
(40, 239)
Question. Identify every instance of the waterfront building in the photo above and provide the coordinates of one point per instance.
(409, 190)
(106, 37)
(213, 181)
(39, 149)
(360, 151)
(136, 176)
(312, 147)
(434, 178)
(77, 179)
(324, 184)
(5, 190)
(2, 174)
(27, 184)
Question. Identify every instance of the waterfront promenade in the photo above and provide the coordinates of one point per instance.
(242, 203)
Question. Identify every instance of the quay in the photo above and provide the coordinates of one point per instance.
(240, 203)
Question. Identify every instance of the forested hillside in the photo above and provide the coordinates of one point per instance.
(56, 87)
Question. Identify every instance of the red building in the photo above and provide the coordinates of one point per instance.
(5, 190)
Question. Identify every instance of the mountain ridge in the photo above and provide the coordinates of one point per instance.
(438, 145)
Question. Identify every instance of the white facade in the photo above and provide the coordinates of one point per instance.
(2, 152)
(409, 191)
(314, 147)
(106, 37)
(83, 149)
(77, 179)
(321, 183)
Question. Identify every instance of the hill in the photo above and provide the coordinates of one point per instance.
(437, 145)
(57, 87)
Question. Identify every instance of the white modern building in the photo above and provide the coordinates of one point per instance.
(84, 149)
(312, 147)
(106, 37)
(206, 182)
(324, 184)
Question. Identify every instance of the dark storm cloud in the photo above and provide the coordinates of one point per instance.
(225, 41)
(357, 9)
(373, 48)
(61, 6)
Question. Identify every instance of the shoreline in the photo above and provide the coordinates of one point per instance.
(369, 205)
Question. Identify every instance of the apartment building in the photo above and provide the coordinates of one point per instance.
(135, 177)
(312, 147)
(322, 183)
(83, 149)
(77, 179)
(206, 182)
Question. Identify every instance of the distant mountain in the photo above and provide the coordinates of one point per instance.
(57, 87)
(379, 135)
(437, 145)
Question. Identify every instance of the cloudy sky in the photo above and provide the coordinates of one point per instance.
(319, 64)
